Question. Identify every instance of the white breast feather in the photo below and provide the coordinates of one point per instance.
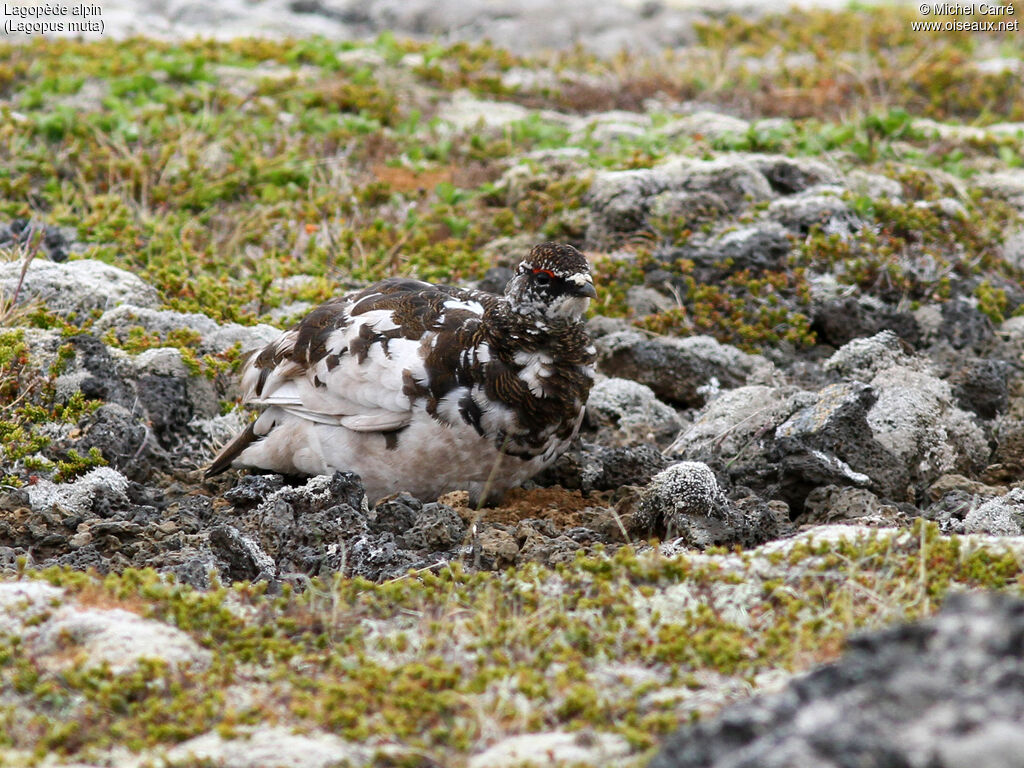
(536, 367)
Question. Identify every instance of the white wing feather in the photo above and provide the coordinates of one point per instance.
(364, 396)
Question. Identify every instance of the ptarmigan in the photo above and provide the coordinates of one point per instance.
(427, 388)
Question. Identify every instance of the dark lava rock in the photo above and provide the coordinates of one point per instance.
(103, 382)
(122, 438)
(167, 404)
(947, 691)
(305, 529)
(54, 242)
(437, 527)
(253, 490)
(495, 280)
(239, 557)
(831, 443)
(839, 321)
(591, 467)
(964, 325)
(982, 386)
(677, 370)
(395, 515)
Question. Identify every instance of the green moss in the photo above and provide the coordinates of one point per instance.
(418, 660)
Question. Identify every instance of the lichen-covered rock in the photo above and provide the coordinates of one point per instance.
(76, 499)
(831, 504)
(630, 411)
(1001, 516)
(269, 746)
(621, 201)
(83, 637)
(863, 358)
(593, 467)
(465, 112)
(735, 431)
(685, 500)
(916, 420)
(704, 123)
(935, 692)
(214, 338)
(982, 387)
(76, 287)
(816, 208)
(684, 371)
(554, 748)
(1009, 185)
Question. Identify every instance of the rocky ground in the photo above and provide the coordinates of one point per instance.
(811, 389)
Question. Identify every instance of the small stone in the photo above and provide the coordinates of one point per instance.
(1001, 516)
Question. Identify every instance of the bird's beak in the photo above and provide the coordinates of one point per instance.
(586, 289)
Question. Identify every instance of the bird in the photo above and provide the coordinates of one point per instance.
(427, 388)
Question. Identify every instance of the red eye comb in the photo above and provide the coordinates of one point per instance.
(547, 272)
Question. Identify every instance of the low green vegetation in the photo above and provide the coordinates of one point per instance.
(440, 663)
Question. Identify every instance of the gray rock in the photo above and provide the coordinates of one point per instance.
(684, 371)
(801, 212)
(214, 337)
(76, 287)
(1008, 185)
(863, 358)
(684, 500)
(642, 300)
(831, 504)
(76, 498)
(621, 200)
(939, 692)
(1001, 516)
(704, 123)
(589, 467)
(630, 411)
(790, 175)
(678, 209)
(115, 637)
(763, 246)
(269, 745)
(435, 528)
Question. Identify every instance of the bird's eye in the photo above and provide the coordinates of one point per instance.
(543, 276)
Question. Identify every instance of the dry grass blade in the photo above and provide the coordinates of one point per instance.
(9, 309)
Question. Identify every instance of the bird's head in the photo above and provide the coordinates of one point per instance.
(554, 281)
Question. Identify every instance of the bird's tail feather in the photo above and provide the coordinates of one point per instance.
(230, 451)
